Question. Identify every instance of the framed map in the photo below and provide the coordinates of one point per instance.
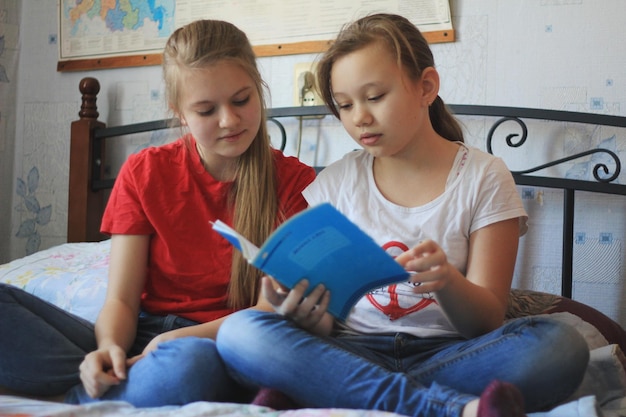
(113, 28)
(118, 33)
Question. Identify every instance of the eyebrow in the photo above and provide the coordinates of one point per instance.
(364, 87)
(205, 102)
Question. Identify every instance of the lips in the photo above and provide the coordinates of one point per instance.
(232, 136)
(369, 139)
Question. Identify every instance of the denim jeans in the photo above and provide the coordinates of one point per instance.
(42, 347)
(401, 373)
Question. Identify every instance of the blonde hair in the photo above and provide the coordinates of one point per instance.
(412, 53)
(253, 195)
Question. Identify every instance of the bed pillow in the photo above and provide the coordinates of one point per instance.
(72, 276)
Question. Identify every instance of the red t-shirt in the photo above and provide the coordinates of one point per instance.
(165, 192)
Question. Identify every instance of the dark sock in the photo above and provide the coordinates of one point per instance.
(501, 399)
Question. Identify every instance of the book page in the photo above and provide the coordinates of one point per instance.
(247, 248)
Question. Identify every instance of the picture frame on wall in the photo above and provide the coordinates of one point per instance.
(98, 36)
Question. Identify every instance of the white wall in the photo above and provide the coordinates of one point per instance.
(555, 54)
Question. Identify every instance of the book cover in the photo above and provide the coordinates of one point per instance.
(325, 247)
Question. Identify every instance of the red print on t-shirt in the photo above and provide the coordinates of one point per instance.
(394, 310)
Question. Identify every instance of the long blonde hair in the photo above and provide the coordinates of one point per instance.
(409, 47)
(253, 196)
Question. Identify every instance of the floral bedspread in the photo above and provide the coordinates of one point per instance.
(20, 407)
(72, 276)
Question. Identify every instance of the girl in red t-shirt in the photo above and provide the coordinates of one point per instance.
(172, 279)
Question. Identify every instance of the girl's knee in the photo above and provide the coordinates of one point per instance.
(548, 330)
(188, 353)
(575, 348)
(567, 336)
(194, 363)
(566, 348)
(247, 334)
(240, 326)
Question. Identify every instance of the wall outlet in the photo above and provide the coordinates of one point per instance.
(304, 85)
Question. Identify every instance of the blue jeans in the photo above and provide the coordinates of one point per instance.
(401, 373)
(42, 346)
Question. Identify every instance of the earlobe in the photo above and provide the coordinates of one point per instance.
(430, 85)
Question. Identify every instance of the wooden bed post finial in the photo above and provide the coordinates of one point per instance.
(89, 88)
(85, 205)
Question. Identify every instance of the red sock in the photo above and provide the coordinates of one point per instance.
(501, 399)
(274, 399)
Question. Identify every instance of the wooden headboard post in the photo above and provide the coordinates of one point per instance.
(85, 205)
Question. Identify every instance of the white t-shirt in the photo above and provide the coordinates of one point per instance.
(480, 191)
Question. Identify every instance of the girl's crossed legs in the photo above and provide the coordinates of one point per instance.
(400, 373)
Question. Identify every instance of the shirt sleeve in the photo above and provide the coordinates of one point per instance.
(294, 177)
(327, 184)
(498, 198)
(124, 213)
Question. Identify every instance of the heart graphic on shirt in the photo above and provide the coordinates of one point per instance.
(394, 310)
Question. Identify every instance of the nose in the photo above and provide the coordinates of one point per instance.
(228, 117)
(361, 116)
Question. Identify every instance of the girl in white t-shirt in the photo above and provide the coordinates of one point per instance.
(437, 345)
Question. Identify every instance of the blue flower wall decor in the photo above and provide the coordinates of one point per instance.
(37, 216)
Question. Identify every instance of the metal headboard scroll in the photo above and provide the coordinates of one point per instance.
(517, 114)
(522, 139)
(604, 183)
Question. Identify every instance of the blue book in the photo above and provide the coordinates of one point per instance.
(323, 246)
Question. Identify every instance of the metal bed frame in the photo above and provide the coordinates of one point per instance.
(88, 183)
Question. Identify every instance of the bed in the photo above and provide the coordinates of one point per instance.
(74, 275)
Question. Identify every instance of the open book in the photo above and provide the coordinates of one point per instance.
(323, 246)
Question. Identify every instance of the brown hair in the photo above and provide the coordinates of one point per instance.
(406, 43)
(253, 197)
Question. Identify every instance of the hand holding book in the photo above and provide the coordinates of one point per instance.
(323, 246)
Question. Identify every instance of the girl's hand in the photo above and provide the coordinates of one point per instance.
(429, 264)
(102, 369)
(308, 312)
